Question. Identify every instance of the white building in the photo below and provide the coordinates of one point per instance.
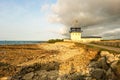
(76, 36)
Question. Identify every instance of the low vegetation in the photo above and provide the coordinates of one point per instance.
(109, 43)
(55, 40)
(93, 47)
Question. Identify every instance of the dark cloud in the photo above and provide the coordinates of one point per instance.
(91, 15)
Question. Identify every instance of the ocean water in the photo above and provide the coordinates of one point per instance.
(19, 42)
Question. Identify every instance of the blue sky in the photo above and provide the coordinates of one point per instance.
(48, 19)
(27, 20)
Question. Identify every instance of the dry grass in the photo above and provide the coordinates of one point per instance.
(76, 54)
(13, 55)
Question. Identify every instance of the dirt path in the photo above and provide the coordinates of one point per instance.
(106, 47)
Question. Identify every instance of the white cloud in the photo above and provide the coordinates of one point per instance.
(53, 18)
(45, 7)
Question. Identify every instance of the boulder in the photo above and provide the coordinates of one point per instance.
(58, 78)
(102, 63)
(94, 64)
(116, 68)
(110, 75)
(104, 53)
(28, 76)
(98, 74)
(5, 78)
(109, 56)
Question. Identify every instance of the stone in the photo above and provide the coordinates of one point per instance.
(98, 74)
(113, 65)
(94, 64)
(28, 76)
(58, 78)
(104, 53)
(102, 63)
(88, 78)
(52, 75)
(43, 77)
(36, 78)
(116, 68)
(41, 72)
(5, 78)
(110, 75)
(109, 56)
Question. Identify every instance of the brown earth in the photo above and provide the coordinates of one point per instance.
(16, 56)
(61, 58)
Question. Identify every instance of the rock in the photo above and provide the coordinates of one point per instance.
(41, 72)
(103, 64)
(109, 56)
(116, 68)
(94, 64)
(104, 53)
(47, 75)
(52, 75)
(28, 76)
(98, 74)
(110, 75)
(88, 78)
(58, 78)
(36, 78)
(114, 64)
(43, 77)
(5, 78)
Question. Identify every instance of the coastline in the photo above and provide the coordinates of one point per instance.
(20, 42)
(56, 60)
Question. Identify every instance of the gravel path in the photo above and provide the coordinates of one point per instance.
(106, 47)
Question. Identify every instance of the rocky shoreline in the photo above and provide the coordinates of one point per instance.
(105, 66)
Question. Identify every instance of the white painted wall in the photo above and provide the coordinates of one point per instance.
(85, 40)
(75, 36)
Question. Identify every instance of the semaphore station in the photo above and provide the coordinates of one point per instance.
(76, 36)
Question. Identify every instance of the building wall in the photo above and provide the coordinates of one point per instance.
(75, 36)
(85, 40)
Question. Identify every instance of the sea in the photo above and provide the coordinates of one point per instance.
(19, 42)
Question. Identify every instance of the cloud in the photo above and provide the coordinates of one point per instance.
(45, 7)
(87, 14)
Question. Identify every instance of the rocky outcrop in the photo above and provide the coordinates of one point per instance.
(106, 67)
(87, 66)
(70, 62)
(47, 71)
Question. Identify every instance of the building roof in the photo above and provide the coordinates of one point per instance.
(75, 29)
(91, 37)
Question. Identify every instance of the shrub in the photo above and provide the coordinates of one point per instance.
(55, 40)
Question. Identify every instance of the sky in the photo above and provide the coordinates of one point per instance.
(51, 19)
(27, 20)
